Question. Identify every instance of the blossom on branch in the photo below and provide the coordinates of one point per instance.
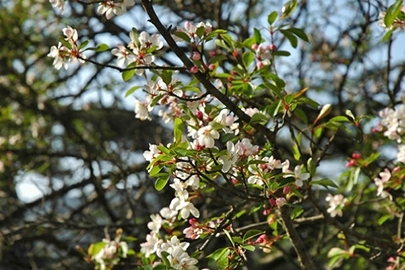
(111, 7)
(68, 51)
(207, 135)
(58, 4)
(123, 55)
(336, 203)
(380, 182)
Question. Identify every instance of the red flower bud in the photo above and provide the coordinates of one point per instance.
(194, 69)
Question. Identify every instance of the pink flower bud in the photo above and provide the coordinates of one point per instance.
(196, 56)
(351, 163)
(396, 169)
(260, 65)
(212, 53)
(281, 202)
(272, 47)
(356, 156)
(212, 67)
(199, 115)
(271, 219)
(261, 238)
(194, 69)
(255, 46)
(266, 212)
(272, 202)
(286, 190)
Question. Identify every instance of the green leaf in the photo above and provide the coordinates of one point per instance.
(299, 33)
(296, 151)
(95, 248)
(325, 111)
(272, 17)
(311, 166)
(326, 182)
(160, 183)
(222, 44)
(134, 35)
(281, 53)
(65, 42)
(289, 98)
(83, 44)
(228, 40)
(251, 234)
(229, 237)
(392, 13)
(258, 118)
(155, 170)
(178, 129)
(200, 31)
(248, 58)
(288, 8)
(237, 239)
(336, 252)
(340, 118)
(353, 179)
(182, 36)
(274, 108)
(249, 247)
(296, 212)
(102, 47)
(291, 38)
(130, 239)
(387, 35)
(164, 255)
(128, 74)
(383, 219)
(166, 76)
(277, 80)
(301, 115)
(258, 36)
(217, 254)
(131, 90)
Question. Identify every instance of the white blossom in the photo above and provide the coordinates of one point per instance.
(336, 203)
(230, 158)
(206, 136)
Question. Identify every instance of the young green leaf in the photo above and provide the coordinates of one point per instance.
(272, 17)
(392, 13)
(161, 182)
(178, 129)
(128, 74)
(102, 47)
(131, 90)
(258, 36)
(299, 33)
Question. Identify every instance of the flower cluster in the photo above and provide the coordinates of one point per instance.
(67, 50)
(336, 204)
(193, 31)
(60, 4)
(393, 122)
(393, 127)
(109, 8)
(141, 50)
(397, 23)
(107, 253)
(173, 250)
